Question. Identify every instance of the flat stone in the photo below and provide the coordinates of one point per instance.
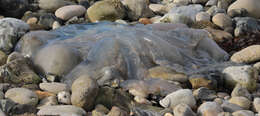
(54, 87)
(62, 110)
(67, 12)
(22, 96)
(247, 55)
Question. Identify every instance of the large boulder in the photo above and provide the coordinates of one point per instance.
(11, 30)
(252, 7)
(106, 10)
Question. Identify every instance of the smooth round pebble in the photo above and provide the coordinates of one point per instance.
(22, 96)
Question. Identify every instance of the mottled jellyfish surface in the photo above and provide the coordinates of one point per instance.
(107, 51)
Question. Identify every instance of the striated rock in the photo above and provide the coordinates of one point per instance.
(244, 75)
(252, 7)
(84, 91)
(11, 30)
(209, 109)
(241, 101)
(53, 5)
(183, 110)
(183, 96)
(53, 87)
(138, 9)
(62, 110)
(247, 55)
(67, 12)
(22, 96)
(222, 20)
(106, 10)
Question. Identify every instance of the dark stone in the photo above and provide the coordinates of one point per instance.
(13, 8)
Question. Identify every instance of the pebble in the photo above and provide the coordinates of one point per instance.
(62, 110)
(3, 58)
(183, 95)
(251, 6)
(240, 91)
(53, 87)
(53, 5)
(203, 16)
(209, 109)
(84, 91)
(52, 100)
(22, 96)
(222, 20)
(243, 113)
(183, 110)
(247, 55)
(56, 25)
(116, 111)
(230, 107)
(256, 104)
(204, 94)
(64, 97)
(67, 12)
(241, 101)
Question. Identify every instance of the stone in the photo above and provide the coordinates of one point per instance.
(213, 10)
(246, 26)
(138, 9)
(3, 58)
(183, 96)
(62, 110)
(230, 107)
(183, 2)
(2, 113)
(211, 3)
(2, 95)
(54, 87)
(224, 114)
(203, 16)
(46, 20)
(157, 8)
(14, 8)
(246, 76)
(43, 94)
(51, 100)
(56, 59)
(145, 21)
(223, 4)
(101, 109)
(256, 104)
(199, 1)
(6, 105)
(222, 20)
(175, 18)
(56, 25)
(241, 101)
(64, 97)
(84, 91)
(167, 74)
(240, 91)
(204, 94)
(18, 71)
(209, 109)
(220, 101)
(11, 30)
(251, 6)
(32, 21)
(247, 55)
(106, 10)
(67, 12)
(183, 110)
(237, 13)
(116, 111)
(53, 5)
(243, 113)
(75, 20)
(22, 96)
(219, 36)
(198, 81)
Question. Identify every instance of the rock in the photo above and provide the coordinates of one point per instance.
(3, 58)
(246, 26)
(13, 8)
(67, 12)
(2, 113)
(212, 3)
(220, 101)
(167, 74)
(183, 110)
(230, 107)
(252, 7)
(75, 20)
(22, 96)
(199, 1)
(32, 21)
(56, 25)
(213, 10)
(224, 114)
(52, 100)
(222, 20)
(247, 55)
(244, 75)
(241, 101)
(223, 4)
(182, 2)
(145, 21)
(176, 18)
(54, 87)
(84, 91)
(243, 113)
(204, 94)
(198, 81)
(240, 91)
(11, 30)
(6, 105)
(209, 109)
(64, 97)
(202, 16)
(59, 60)
(256, 104)
(43, 94)
(115, 111)
(18, 71)
(237, 13)
(120, 21)
(219, 36)
(100, 110)
(106, 10)
(53, 5)
(183, 95)
(187, 12)
(62, 110)
(157, 8)
(2, 95)
(138, 9)
(46, 20)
